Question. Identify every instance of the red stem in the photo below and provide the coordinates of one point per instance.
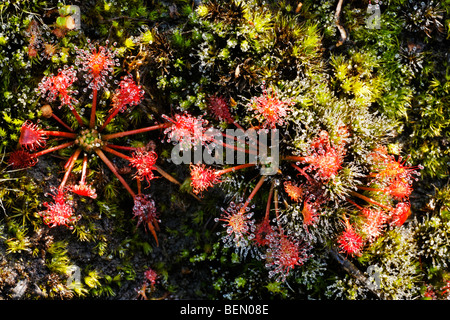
(108, 120)
(138, 183)
(269, 200)
(116, 153)
(356, 194)
(369, 189)
(166, 175)
(238, 125)
(294, 158)
(235, 147)
(161, 171)
(77, 116)
(70, 167)
(70, 135)
(127, 133)
(93, 109)
(275, 199)
(172, 179)
(255, 190)
(121, 147)
(65, 125)
(68, 161)
(61, 146)
(301, 171)
(241, 166)
(113, 169)
(354, 203)
(83, 171)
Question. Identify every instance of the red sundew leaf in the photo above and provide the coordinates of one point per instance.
(263, 232)
(285, 254)
(386, 167)
(85, 190)
(401, 213)
(151, 276)
(21, 159)
(98, 63)
(399, 189)
(128, 94)
(31, 137)
(309, 213)
(351, 242)
(144, 162)
(270, 108)
(54, 86)
(60, 212)
(202, 178)
(293, 191)
(325, 159)
(239, 225)
(326, 164)
(219, 108)
(374, 222)
(187, 130)
(144, 209)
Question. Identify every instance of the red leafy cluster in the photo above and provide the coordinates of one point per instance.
(187, 130)
(373, 222)
(285, 253)
(151, 276)
(219, 108)
(325, 159)
(320, 166)
(270, 108)
(281, 252)
(37, 43)
(144, 209)
(324, 163)
(97, 63)
(31, 136)
(398, 180)
(60, 212)
(394, 173)
(202, 178)
(20, 159)
(128, 94)
(350, 241)
(85, 190)
(438, 293)
(144, 162)
(52, 87)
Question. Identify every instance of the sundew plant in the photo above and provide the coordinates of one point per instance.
(224, 149)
